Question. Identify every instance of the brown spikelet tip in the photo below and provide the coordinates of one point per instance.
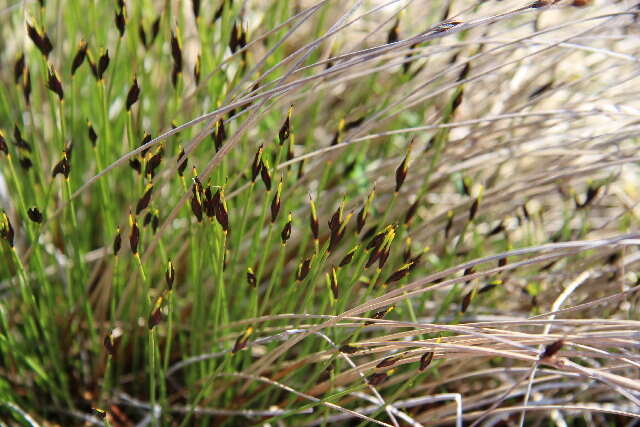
(551, 349)
(133, 94)
(425, 360)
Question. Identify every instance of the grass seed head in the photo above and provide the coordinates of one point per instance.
(120, 20)
(265, 175)
(3, 144)
(40, 39)
(143, 202)
(91, 132)
(285, 129)
(275, 203)
(133, 94)
(35, 215)
(257, 164)
(425, 360)
(19, 68)
(303, 269)
(286, 230)
(551, 349)
(103, 64)
(251, 278)
(242, 340)
(6, 229)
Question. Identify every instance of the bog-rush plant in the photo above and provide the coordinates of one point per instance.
(319, 212)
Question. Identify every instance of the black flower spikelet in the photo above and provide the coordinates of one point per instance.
(6, 229)
(285, 129)
(53, 82)
(35, 215)
(79, 57)
(40, 39)
(242, 340)
(133, 94)
(286, 230)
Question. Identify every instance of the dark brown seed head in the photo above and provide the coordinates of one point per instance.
(218, 14)
(333, 280)
(388, 361)
(219, 134)
(425, 360)
(242, 340)
(551, 349)
(155, 318)
(35, 215)
(147, 219)
(4, 148)
(251, 278)
(285, 129)
(377, 379)
(170, 275)
(26, 85)
(411, 212)
(103, 64)
(349, 256)
(541, 3)
(457, 100)
(303, 269)
(143, 202)
(117, 242)
(6, 229)
(222, 215)
(182, 162)
(401, 171)
(196, 208)
(100, 413)
(286, 230)
(473, 210)
(155, 221)
(155, 29)
(399, 273)
(109, 345)
(93, 136)
(393, 35)
(134, 236)
(265, 175)
(466, 300)
(120, 20)
(92, 66)
(256, 166)
(384, 256)
(40, 39)
(133, 94)
(153, 163)
(336, 219)
(25, 163)
(145, 139)
(196, 69)
(143, 36)
(348, 348)
(465, 71)
(176, 51)
(18, 68)
(135, 164)
(195, 6)
(62, 167)
(54, 84)
(275, 203)
(234, 38)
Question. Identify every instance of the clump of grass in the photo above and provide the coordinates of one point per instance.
(394, 213)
